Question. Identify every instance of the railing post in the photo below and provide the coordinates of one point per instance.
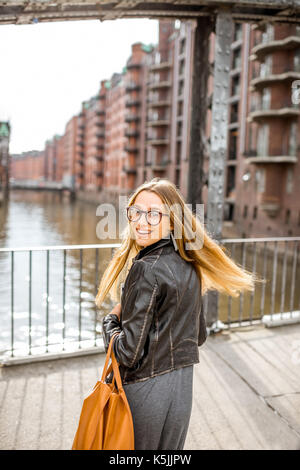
(12, 302)
(47, 300)
(64, 298)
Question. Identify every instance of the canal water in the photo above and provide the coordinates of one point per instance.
(43, 218)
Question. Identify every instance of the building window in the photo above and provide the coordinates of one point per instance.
(289, 181)
(228, 211)
(182, 46)
(179, 129)
(178, 153)
(263, 140)
(266, 67)
(255, 212)
(260, 177)
(297, 60)
(254, 102)
(233, 135)
(251, 143)
(180, 87)
(236, 58)
(234, 112)
(177, 177)
(266, 98)
(268, 34)
(238, 31)
(287, 216)
(245, 213)
(179, 108)
(153, 116)
(235, 85)
(293, 139)
(230, 190)
(181, 67)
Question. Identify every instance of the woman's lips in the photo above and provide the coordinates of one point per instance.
(143, 232)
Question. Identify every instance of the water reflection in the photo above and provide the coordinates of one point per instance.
(44, 307)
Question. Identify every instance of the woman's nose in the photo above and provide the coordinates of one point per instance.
(145, 218)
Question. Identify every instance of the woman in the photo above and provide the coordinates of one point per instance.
(160, 320)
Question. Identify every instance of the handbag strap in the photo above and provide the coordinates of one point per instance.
(114, 364)
(108, 355)
(115, 367)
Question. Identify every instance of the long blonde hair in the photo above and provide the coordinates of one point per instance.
(215, 269)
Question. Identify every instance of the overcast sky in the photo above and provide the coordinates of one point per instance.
(48, 69)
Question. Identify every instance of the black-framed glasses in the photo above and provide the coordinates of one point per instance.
(153, 216)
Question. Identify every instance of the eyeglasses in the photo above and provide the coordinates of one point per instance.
(153, 216)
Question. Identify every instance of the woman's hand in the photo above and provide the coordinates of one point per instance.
(116, 310)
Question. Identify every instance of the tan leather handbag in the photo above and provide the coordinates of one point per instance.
(106, 422)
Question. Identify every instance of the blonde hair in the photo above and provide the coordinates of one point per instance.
(215, 269)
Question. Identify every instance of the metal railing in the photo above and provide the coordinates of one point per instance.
(76, 268)
(29, 334)
(275, 301)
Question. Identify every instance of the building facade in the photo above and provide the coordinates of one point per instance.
(28, 168)
(263, 169)
(138, 127)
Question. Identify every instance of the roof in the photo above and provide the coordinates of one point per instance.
(148, 47)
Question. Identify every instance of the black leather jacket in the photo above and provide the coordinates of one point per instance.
(162, 322)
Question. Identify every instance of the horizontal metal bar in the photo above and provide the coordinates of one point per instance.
(12, 361)
(61, 247)
(281, 319)
(251, 240)
(117, 245)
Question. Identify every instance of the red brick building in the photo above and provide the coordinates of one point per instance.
(115, 154)
(135, 81)
(265, 187)
(51, 159)
(89, 143)
(28, 167)
(69, 160)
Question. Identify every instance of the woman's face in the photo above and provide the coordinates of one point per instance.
(144, 233)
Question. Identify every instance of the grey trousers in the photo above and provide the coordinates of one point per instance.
(161, 408)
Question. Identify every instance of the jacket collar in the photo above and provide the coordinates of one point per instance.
(153, 246)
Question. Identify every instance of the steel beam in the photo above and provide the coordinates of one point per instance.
(199, 104)
(218, 138)
(219, 128)
(33, 11)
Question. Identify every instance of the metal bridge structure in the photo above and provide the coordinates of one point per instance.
(217, 16)
(30, 11)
